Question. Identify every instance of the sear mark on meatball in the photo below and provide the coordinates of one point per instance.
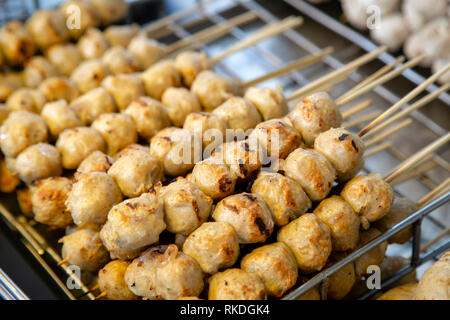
(262, 226)
(223, 183)
(249, 196)
(342, 137)
(354, 146)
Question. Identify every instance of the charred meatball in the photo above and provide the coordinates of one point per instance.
(248, 214)
(48, 202)
(76, 144)
(310, 240)
(84, 249)
(136, 170)
(275, 264)
(92, 196)
(284, 196)
(159, 77)
(214, 245)
(111, 280)
(117, 129)
(92, 104)
(236, 284)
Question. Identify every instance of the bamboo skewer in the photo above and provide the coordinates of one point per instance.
(422, 167)
(389, 132)
(336, 74)
(383, 146)
(261, 34)
(443, 187)
(422, 102)
(361, 119)
(101, 295)
(404, 100)
(63, 261)
(411, 161)
(294, 65)
(345, 98)
(356, 108)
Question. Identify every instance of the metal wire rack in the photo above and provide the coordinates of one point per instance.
(318, 31)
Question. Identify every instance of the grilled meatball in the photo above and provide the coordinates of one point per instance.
(180, 102)
(242, 157)
(214, 178)
(248, 214)
(124, 254)
(56, 88)
(111, 280)
(342, 220)
(47, 27)
(213, 89)
(186, 207)
(275, 265)
(149, 115)
(190, 64)
(163, 272)
(20, 130)
(15, 43)
(277, 137)
(434, 284)
(342, 148)
(89, 17)
(118, 131)
(341, 282)
(4, 112)
(89, 74)
(238, 113)
(206, 126)
(315, 114)
(159, 77)
(134, 223)
(84, 249)
(65, 57)
(418, 13)
(26, 99)
(401, 209)
(76, 144)
(92, 104)
(309, 239)
(8, 176)
(372, 257)
(92, 196)
(236, 284)
(312, 170)
(59, 116)
(146, 51)
(214, 245)
(392, 31)
(37, 69)
(124, 88)
(110, 10)
(269, 102)
(24, 201)
(433, 41)
(6, 88)
(284, 196)
(93, 44)
(136, 170)
(403, 292)
(369, 195)
(118, 60)
(97, 161)
(38, 161)
(48, 201)
(176, 149)
(121, 35)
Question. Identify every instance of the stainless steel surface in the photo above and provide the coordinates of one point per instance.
(318, 31)
(9, 290)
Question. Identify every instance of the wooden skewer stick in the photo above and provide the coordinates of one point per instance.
(339, 72)
(361, 119)
(161, 23)
(63, 261)
(411, 161)
(422, 167)
(265, 32)
(211, 33)
(389, 132)
(404, 100)
(94, 288)
(422, 102)
(374, 76)
(443, 187)
(383, 146)
(345, 98)
(101, 295)
(356, 108)
(294, 65)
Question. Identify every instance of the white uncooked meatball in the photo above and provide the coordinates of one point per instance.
(134, 223)
(59, 116)
(135, 170)
(418, 13)
(92, 196)
(438, 65)
(392, 31)
(357, 12)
